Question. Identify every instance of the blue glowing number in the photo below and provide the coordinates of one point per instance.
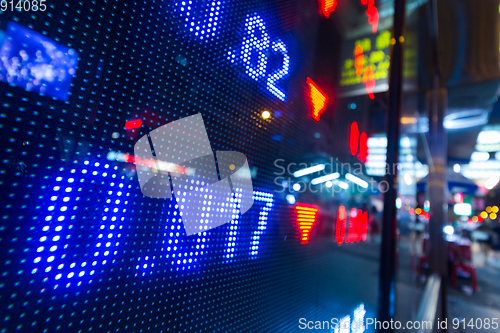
(231, 239)
(206, 26)
(279, 47)
(257, 39)
(263, 216)
(252, 43)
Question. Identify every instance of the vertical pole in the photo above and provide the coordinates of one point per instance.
(387, 275)
(437, 188)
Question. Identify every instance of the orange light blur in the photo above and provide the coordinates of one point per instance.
(305, 220)
(317, 98)
(359, 60)
(369, 81)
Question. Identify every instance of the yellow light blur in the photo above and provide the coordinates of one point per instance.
(494, 209)
(488, 209)
(474, 219)
(408, 120)
(493, 216)
(266, 114)
(484, 215)
(418, 211)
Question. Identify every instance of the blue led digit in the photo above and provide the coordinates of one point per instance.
(202, 21)
(279, 47)
(265, 201)
(57, 242)
(252, 42)
(233, 232)
(267, 198)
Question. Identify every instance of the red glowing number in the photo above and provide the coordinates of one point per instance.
(305, 220)
(317, 99)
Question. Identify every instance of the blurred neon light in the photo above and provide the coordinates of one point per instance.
(372, 14)
(149, 163)
(340, 225)
(325, 178)
(309, 170)
(491, 183)
(369, 81)
(327, 7)
(305, 220)
(488, 137)
(463, 209)
(354, 138)
(317, 98)
(480, 156)
(363, 147)
(133, 124)
(343, 185)
(466, 119)
(356, 180)
(357, 220)
(359, 60)
(36, 63)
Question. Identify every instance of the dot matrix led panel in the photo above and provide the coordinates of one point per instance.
(81, 248)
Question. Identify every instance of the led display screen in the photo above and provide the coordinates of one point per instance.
(117, 119)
